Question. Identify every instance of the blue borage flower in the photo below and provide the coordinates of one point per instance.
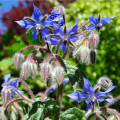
(56, 85)
(90, 95)
(37, 23)
(64, 36)
(55, 17)
(12, 84)
(96, 22)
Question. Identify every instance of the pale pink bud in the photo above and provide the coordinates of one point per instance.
(45, 69)
(18, 59)
(33, 70)
(5, 95)
(59, 75)
(93, 41)
(85, 55)
(105, 82)
(26, 70)
(60, 9)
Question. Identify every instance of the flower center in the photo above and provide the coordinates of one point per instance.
(39, 28)
(98, 26)
(92, 100)
(65, 39)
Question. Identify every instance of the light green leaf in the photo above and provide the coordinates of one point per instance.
(73, 114)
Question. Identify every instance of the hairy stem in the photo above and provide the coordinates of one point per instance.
(32, 46)
(64, 55)
(83, 25)
(114, 112)
(86, 31)
(33, 52)
(23, 82)
(43, 96)
(26, 99)
(117, 98)
(59, 100)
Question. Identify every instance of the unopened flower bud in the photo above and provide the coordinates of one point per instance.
(18, 59)
(85, 55)
(26, 70)
(5, 95)
(60, 9)
(93, 56)
(104, 82)
(59, 75)
(33, 70)
(45, 69)
(93, 41)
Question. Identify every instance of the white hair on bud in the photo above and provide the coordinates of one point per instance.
(18, 59)
(105, 82)
(33, 70)
(85, 55)
(26, 70)
(5, 95)
(60, 9)
(93, 41)
(45, 69)
(59, 75)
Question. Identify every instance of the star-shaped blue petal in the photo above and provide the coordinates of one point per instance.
(90, 95)
(97, 23)
(37, 23)
(63, 38)
(12, 84)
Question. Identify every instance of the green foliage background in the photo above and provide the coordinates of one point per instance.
(108, 51)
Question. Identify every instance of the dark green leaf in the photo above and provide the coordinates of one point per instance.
(34, 42)
(41, 110)
(75, 78)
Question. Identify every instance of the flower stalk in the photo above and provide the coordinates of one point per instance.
(24, 83)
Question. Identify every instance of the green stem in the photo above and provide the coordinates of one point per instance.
(59, 100)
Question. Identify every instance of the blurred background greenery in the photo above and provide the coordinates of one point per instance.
(108, 51)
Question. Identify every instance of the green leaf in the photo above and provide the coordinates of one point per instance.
(73, 114)
(74, 74)
(70, 67)
(75, 78)
(35, 42)
(41, 110)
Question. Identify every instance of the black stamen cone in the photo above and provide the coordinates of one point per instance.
(92, 56)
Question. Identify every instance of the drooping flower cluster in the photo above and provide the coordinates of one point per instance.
(54, 30)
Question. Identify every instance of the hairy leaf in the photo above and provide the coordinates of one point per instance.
(75, 75)
(73, 114)
(41, 110)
